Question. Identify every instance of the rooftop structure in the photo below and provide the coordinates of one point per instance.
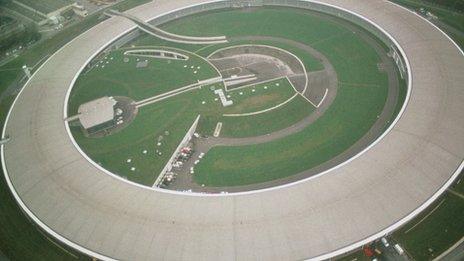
(223, 98)
(97, 112)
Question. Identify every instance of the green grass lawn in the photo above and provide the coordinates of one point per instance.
(310, 62)
(46, 6)
(268, 122)
(256, 98)
(449, 5)
(427, 238)
(176, 115)
(341, 125)
(261, 124)
(35, 16)
(111, 76)
(112, 152)
(360, 98)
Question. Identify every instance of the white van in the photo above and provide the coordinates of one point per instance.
(385, 242)
(399, 249)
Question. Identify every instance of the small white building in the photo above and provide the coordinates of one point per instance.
(223, 98)
(80, 10)
(97, 115)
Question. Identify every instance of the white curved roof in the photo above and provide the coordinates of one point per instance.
(366, 197)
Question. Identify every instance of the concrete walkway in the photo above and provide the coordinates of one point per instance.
(175, 92)
(155, 31)
(454, 253)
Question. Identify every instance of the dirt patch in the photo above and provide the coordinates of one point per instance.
(262, 61)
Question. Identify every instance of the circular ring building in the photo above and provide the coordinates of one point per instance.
(338, 210)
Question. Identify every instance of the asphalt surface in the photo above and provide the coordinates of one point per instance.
(455, 254)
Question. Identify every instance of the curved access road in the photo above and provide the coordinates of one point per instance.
(157, 32)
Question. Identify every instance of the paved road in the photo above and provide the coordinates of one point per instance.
(456, 253)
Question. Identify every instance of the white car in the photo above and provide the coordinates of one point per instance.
(385, 242)
(399, 249)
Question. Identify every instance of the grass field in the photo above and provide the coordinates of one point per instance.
(435, 230)
(111, 76)
(34, 16)
(117, 79)
(259, 97)
(328, 136)
(452, 5)
(176, 115)
(361, 96)
(310, 62)
(6, 20)
(172, 115)
(261, 124)
(46, 6)
(248, 99)
(448, 15)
